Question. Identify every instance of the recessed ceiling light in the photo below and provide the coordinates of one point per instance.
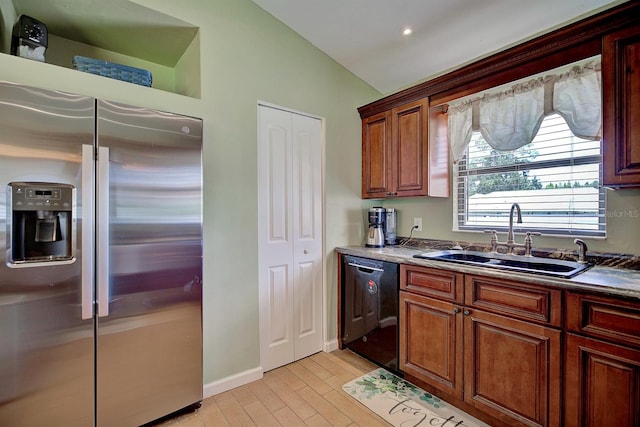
(407, 31)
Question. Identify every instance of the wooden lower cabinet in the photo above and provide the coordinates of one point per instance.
(602, 374)
(602, 384)
(431, 342)
(503, 359)
(512, 369)
(521, 354)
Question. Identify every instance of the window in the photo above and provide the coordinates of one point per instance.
(555, 179)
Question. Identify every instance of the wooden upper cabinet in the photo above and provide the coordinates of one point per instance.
(621, 108)
(396, 160)
(409, 145)
(376, 155)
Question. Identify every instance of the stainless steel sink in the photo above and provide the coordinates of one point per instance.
(525, 264)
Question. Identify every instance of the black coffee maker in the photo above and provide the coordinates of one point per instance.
(376, 232)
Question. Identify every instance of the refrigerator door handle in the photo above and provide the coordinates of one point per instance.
(88, 212)
(103, 231)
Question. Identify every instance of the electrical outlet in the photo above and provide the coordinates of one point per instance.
(417, 222)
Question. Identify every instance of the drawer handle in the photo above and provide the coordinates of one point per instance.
(456, 310)
(466, 312)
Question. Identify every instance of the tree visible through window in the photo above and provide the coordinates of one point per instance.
(505, 180)
(555, 179)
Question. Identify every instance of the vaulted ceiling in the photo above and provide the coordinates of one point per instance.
(366, 36)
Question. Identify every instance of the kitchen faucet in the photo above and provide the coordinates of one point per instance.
(510, 235)
(510, 243)
(582, 251)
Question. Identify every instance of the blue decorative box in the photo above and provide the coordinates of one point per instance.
(115, 71)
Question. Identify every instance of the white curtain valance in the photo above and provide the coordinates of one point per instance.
(460, 128)
(574, 93)
(510, 119)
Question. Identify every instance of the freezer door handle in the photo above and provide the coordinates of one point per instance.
(103, 231)
(88, 263)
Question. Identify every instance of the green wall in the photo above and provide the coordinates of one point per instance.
(246, 56)
(623, 224)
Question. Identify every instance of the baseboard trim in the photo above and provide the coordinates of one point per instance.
(231, 382)
(330, 346)
(242, 378)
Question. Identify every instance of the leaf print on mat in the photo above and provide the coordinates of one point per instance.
(380, 382)
(403, 404)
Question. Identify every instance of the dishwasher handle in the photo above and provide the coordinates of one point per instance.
(366, 267)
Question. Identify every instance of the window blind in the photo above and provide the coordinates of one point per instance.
(555, 179)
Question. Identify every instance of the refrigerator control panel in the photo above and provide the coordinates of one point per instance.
(41, 196)
(35, 193)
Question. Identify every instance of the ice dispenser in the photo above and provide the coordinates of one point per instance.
(41, 222)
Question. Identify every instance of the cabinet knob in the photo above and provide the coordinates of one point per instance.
(306, 251)
(456, 310)
(466, 312)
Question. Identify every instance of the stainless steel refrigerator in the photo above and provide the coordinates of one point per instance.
(101, 270)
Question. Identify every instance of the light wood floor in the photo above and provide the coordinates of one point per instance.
(305, 393)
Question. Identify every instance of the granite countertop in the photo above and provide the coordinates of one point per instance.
(601, 278)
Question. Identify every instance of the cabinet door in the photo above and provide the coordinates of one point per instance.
(431, 342)
(410, 141)
(512, 369)
(376, 152)
(602, 384)
(621, 108)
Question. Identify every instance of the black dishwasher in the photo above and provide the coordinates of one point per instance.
(369, 309)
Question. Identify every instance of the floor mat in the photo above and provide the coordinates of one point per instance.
(403, 404)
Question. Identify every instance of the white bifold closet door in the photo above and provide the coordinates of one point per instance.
(290, 235)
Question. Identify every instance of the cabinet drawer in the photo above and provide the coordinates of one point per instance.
(433, 282)
(515, 299)
(614, 319)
